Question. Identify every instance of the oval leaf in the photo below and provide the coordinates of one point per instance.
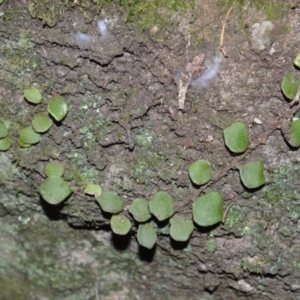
(252, 174)
(200, 172)
(57, 108)
(120, 224)
(161, 206)
(236, 137)
(5, 144)
(294, 140)
(110, 202)
(289, 86)
(54, 169)
(93, 189)
(146, 236)
(33, 95)
(29, 136)
(297, 61)
(3, 131)
(54, 190)
(22, 144)
(181, 228)
(208, 209)
(139, 208)
(41, 122)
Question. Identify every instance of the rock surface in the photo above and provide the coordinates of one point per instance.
(124, 132)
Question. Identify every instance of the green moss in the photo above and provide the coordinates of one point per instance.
(18, 60)
(211, 245)
(141, 14)
(24, 41)
(145, 165)
(148, 13)
(49, 12)
(253, 267)
(11, 14)
(143, 137)
(273, 9)
(233, 217)
(285, 231)
(286, 28)
(18, 288)
(276, 10)
(283, 190)
(296, 265)
(80, 174)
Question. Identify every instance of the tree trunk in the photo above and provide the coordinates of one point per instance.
(124, 132)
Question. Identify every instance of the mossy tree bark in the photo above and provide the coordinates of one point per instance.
(124, 132)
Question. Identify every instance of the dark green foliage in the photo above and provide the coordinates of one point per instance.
(110, 202)
(3, 130)
(294, 140)
(162, 206)
(200, 172)
(54, 169)
(208, 209)
(139, 208)
(57, 108)
(146, 235)
(41, 122)
(29, 136)
(120, 224)
(236, 137)
(54, 190)
(289, 86)
(252, 174)
(5, 143)
(181, 228)
(33, 95)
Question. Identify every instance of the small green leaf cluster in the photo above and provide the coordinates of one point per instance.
(42, 121)
(208, 209)
(111, 203)
(161, 207)
(236, 140)
(5, 141)
(290, 87)
(54, 189)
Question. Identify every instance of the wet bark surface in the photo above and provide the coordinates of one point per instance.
(125, 131)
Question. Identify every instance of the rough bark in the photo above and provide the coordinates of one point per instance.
(124, 132)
